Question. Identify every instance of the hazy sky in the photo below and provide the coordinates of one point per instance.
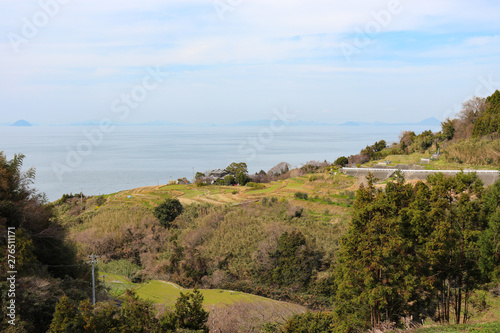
(232, 60)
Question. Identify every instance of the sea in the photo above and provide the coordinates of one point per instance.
(107, 159)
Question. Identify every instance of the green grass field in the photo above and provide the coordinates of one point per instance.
(162, 292)
(167, 293)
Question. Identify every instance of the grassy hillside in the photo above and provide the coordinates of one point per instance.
(226, 236)
(228, 309)
(166, 293)
(279, 240)
(313, 184)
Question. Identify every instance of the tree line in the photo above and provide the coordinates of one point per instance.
(417, 251)
(470, 137)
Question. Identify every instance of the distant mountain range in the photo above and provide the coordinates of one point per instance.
(429, 122)
(432, 122)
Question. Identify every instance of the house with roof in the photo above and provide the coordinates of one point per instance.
(217, 174)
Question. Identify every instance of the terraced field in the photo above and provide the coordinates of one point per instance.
(150, 196)
(166, 293)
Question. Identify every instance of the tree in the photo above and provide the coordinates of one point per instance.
(242, 179)
(379, 146)
(235, 168)
(134, 315)
(279, 169)
(188, 313)
(43, 257)
(342, 161)
(66, 317)
(472, 109)
(489, 243)
(451, 248)
(137, 315)
(425, 140)
(295, 261)
(229, 180)
(371, 257)
(318, 322)
(411, 250)
(407, 137)
(489, 121)
(448, 129)
(167, 211)
(199, 175)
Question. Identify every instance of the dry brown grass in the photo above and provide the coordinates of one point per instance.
(474, 151)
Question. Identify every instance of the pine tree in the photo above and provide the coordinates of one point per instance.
(66, 317)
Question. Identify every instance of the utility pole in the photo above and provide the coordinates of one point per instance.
(93, 261)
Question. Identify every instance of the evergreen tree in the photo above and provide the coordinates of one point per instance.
(167, 211)
(489, 121)
(295, 261)
(137, 315)
(189, 312)
(489, 262)
(410, 250)
(66, 317)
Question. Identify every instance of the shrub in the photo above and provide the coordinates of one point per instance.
(100, 200)
(474, 151)
(255, 185)
(229, 180)
(301, 195)
(167, 211)
(318, 322)
(200, 183)
(342, 161)
(121, 267)
(316, 177)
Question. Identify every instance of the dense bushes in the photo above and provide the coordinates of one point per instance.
(45, 262)
(301, 195)
(120, 267)
(310, 322)
(484, 151)
(294, 261)
(167, 211)
(248, 248)
(341, 161)
(134, 315)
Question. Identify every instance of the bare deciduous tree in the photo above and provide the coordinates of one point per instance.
(250, 316)
(472, 109)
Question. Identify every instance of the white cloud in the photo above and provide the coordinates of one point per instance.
(275, 49)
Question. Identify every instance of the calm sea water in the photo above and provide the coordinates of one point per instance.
(88, 159)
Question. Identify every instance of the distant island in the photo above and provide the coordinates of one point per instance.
(21, 123)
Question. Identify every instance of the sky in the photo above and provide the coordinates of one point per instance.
(225, 61)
